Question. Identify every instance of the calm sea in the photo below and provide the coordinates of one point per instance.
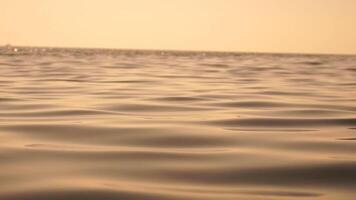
(91, 124)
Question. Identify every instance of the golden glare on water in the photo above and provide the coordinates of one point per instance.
(91, 124)
(102, 123)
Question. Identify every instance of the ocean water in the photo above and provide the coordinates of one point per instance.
(91, 124)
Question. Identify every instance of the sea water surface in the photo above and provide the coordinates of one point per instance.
(91, 124)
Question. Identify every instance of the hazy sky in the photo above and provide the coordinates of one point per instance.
(321, 26)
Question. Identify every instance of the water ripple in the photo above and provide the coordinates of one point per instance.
(90, 124)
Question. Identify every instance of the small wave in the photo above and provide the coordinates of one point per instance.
(283, 122)
(128, 124)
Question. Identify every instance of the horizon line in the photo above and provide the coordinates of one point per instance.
(187, 50)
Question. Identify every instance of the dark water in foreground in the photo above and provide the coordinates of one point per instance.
(105, 124)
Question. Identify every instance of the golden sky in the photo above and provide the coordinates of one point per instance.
(305, 26)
